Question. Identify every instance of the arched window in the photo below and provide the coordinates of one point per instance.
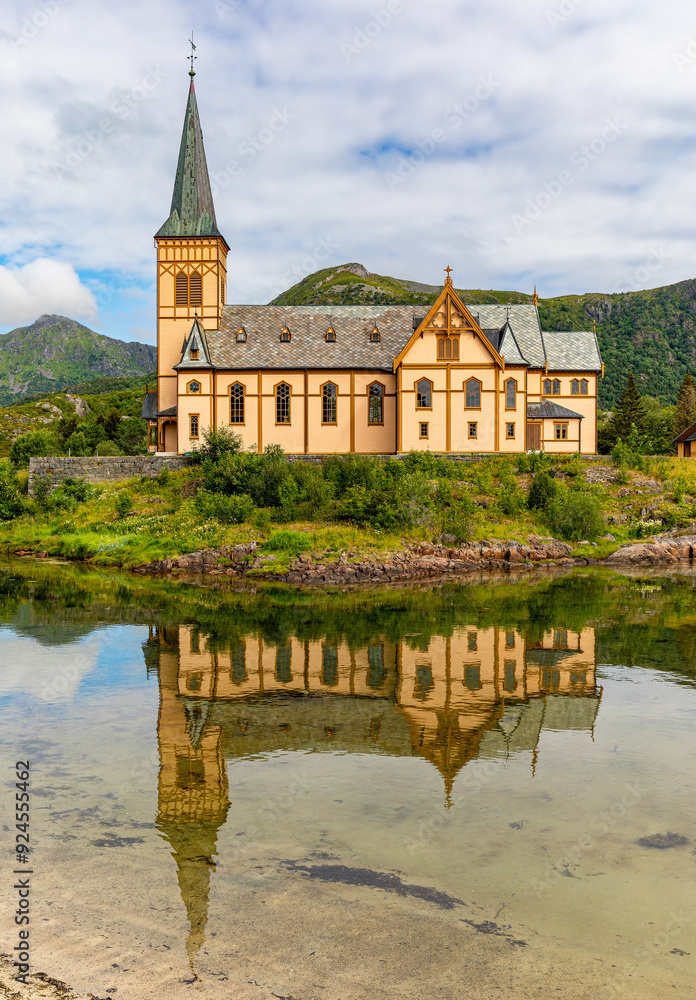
(473, 394)
(583, 387)
(282, 403)
(195, 289)
(237, 403)
(556, 387)
(574, 387)
(328, 403)
(375, 403)
(285, 335)
(510, 394)
(547, 387)
(448, 348)
(331, 335)
(182, 289)
(424, 394)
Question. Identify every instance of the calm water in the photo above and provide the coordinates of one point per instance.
(425, 793)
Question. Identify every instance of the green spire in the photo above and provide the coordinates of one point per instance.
(192, 211)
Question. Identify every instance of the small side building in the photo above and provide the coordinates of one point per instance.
(685, 443)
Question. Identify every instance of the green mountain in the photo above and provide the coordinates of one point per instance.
(56, 353)
(651, 333)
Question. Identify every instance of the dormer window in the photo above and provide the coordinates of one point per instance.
(285, 335)
(241, 335)
(331, 335)
(374, 335)
(194, 354)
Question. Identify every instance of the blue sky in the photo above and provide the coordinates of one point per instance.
(550, 142)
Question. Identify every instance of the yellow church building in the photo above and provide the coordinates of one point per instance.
(452, 378)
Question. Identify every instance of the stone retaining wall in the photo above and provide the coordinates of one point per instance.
(100, 470)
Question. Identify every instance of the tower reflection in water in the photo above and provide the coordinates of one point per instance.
(483, 692)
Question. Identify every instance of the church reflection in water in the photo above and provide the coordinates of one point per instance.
(483, 692)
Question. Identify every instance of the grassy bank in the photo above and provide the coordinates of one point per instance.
(348, 507)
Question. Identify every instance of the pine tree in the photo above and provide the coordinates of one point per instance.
(685, 410)
(628, 411)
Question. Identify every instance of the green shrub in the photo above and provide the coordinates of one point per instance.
(542, 491)
(107, 449)
(11, 501)
(510, 499)
(292, 542)
(35, 444)
(574, 515)
(227, 510)
(165, 476)
(218, 442)
(123, 504)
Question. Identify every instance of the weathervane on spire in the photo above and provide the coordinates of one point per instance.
(192, 71)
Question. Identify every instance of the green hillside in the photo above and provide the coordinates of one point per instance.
(651, 332)
(56, 353)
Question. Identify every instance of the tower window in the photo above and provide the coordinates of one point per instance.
(195, 289)
(473, 430)
(510, 431)
(193, 425)
(423, 430)
(283, 403)
(182, 289)
(424, 394)
(328, 403)
(375, 403)
(510, 394)
(237, 403)
(194, 387)
(189, 289)
(194, 355)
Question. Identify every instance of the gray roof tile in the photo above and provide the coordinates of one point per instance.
(575, 350)
(549, 410)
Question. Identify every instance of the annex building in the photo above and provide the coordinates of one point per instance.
(319, 379)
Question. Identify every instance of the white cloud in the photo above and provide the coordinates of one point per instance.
(43, 286)
(50, 673)
(94, 116)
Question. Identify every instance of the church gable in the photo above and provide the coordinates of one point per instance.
(449, 333)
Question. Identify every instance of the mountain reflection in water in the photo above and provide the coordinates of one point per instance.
(482, 692)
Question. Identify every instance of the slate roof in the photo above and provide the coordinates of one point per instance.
(149, 410)
(575, 350)
(550, 411)
(518, 337)
(197, 340)
(308, 347)
(192, 212)
(688, 435)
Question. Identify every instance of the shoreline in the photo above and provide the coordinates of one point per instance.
(414, 562)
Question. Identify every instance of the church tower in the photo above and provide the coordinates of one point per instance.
(191, 267)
